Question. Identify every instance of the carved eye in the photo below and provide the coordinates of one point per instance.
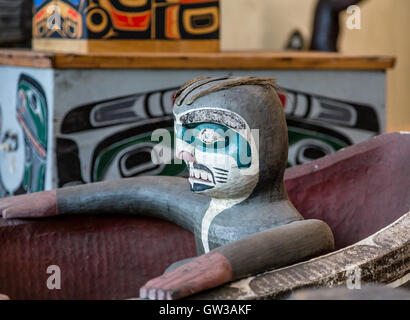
(209, 136)
(33, 102)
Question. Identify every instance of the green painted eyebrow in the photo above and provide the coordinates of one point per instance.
(235, 145)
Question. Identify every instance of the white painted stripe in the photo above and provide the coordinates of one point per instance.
(216, 206)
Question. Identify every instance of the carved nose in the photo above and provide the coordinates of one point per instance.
(187, 156)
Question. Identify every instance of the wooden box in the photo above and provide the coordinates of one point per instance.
(85, 26)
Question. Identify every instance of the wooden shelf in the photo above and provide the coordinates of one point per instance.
(215, 61)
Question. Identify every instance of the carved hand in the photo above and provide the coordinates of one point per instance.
(4, 297)
(205, 272)
(40, 204)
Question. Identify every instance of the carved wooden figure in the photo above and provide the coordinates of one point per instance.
(232, 134)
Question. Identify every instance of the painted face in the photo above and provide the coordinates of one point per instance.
(219, 151)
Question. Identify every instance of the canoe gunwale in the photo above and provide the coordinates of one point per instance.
(383, 257)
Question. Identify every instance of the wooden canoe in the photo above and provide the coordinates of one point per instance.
(362, 192)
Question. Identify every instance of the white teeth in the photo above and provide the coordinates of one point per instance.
(200, 175)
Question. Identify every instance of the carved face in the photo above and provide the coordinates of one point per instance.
(219, 150)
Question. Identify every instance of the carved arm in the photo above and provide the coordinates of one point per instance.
(248, 256)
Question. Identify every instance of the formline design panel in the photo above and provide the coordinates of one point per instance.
(126, 25)
(66, 127)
